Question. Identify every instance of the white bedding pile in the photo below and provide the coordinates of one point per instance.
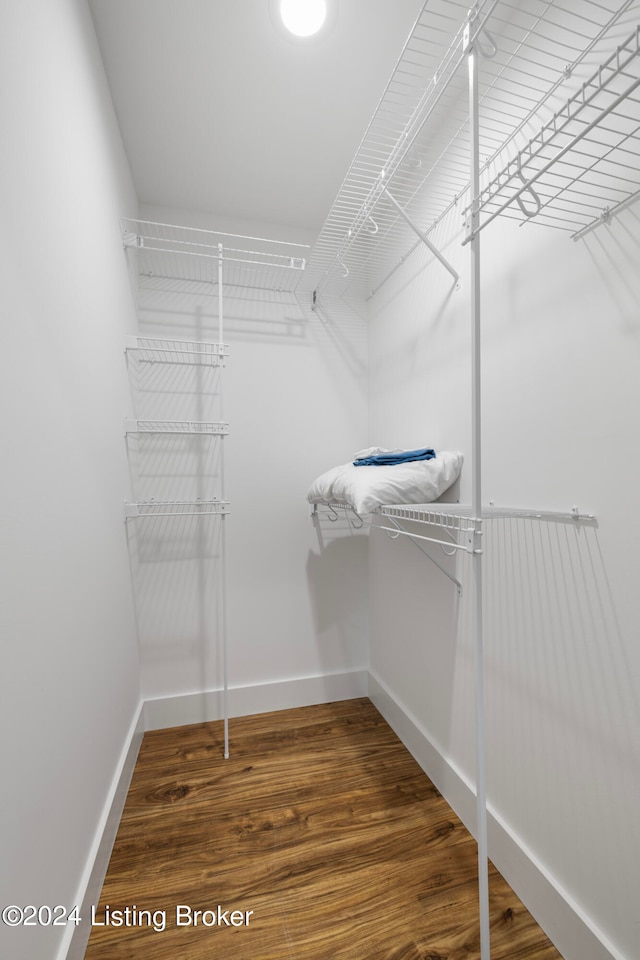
(366, 488)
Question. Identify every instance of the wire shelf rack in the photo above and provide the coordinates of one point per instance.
(189, 352)
(175, 508)
(450, 523)
(454, 521)
(535, 58)
(459, 518)
(191, 256)
(461, 530)
(180, 427)
(583, 164)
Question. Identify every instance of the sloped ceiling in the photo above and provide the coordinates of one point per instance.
(222, 112)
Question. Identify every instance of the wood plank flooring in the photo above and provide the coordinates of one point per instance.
(319, 839)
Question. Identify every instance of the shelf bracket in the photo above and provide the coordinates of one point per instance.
(445, 263)
(416, 542)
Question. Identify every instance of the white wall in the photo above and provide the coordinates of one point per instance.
(560, 422)
(295, 396)
(69, 662)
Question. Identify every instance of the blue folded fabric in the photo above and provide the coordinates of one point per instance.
(390, 459)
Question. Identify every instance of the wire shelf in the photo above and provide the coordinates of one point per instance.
(459, 517)
(535, 57)
(175, 508)
(180, 427)
(584, 162)
(155, 350)
(462, 530)
(363, 225)
(455, 522)
(192, 256)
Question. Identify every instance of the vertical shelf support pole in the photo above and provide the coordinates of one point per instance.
(223, 518)
(472, 51)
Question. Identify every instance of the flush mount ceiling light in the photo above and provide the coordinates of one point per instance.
(303, 18)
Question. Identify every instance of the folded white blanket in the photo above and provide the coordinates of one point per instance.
(367, 488)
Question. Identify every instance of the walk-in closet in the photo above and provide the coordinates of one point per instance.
(319, 606)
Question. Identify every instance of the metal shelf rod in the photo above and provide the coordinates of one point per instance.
(223, 531)
(472, 52)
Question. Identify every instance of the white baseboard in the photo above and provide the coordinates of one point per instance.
(256, 698)
(74, 944)
(566, 925)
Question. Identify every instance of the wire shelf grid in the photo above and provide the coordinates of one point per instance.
(189, 352)
(454, 522)
(533, 57)
(192, 256)
(180, 427)
(584, 161)
(458, 520)
(175, 508)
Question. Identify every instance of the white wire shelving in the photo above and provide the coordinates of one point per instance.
(454, 521)
(583, 165)
(179, 427)
(188, 257)
(559, 131)
(185, 260)
(525, 110)
(175, 508)
(185, 352)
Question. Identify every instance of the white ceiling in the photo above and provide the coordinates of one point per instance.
(221, 112)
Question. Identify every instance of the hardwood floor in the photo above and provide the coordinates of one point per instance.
(319, 839)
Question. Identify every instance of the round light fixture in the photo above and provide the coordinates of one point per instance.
(303, 18)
